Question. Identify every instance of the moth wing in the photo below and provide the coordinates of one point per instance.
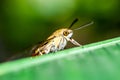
(41, 45)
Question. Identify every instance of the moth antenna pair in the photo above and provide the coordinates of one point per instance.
(82, 26)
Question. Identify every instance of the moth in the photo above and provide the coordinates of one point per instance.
(57, 41)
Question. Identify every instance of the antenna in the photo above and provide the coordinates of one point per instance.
(73, 23)
(85, 25)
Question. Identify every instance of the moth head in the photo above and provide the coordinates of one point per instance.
(68, 33)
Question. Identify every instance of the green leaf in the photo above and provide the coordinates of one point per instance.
(97, 61)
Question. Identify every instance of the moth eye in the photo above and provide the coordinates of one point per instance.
(65, 33)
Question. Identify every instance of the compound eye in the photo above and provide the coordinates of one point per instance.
(65, 33)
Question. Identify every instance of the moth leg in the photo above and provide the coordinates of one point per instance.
(53, 47)
(62, 44)
(73, 41)
(40, 52)
(49, 48)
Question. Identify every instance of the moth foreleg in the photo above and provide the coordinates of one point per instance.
(73, 41)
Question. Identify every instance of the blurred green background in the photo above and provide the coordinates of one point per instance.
(23, 23)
